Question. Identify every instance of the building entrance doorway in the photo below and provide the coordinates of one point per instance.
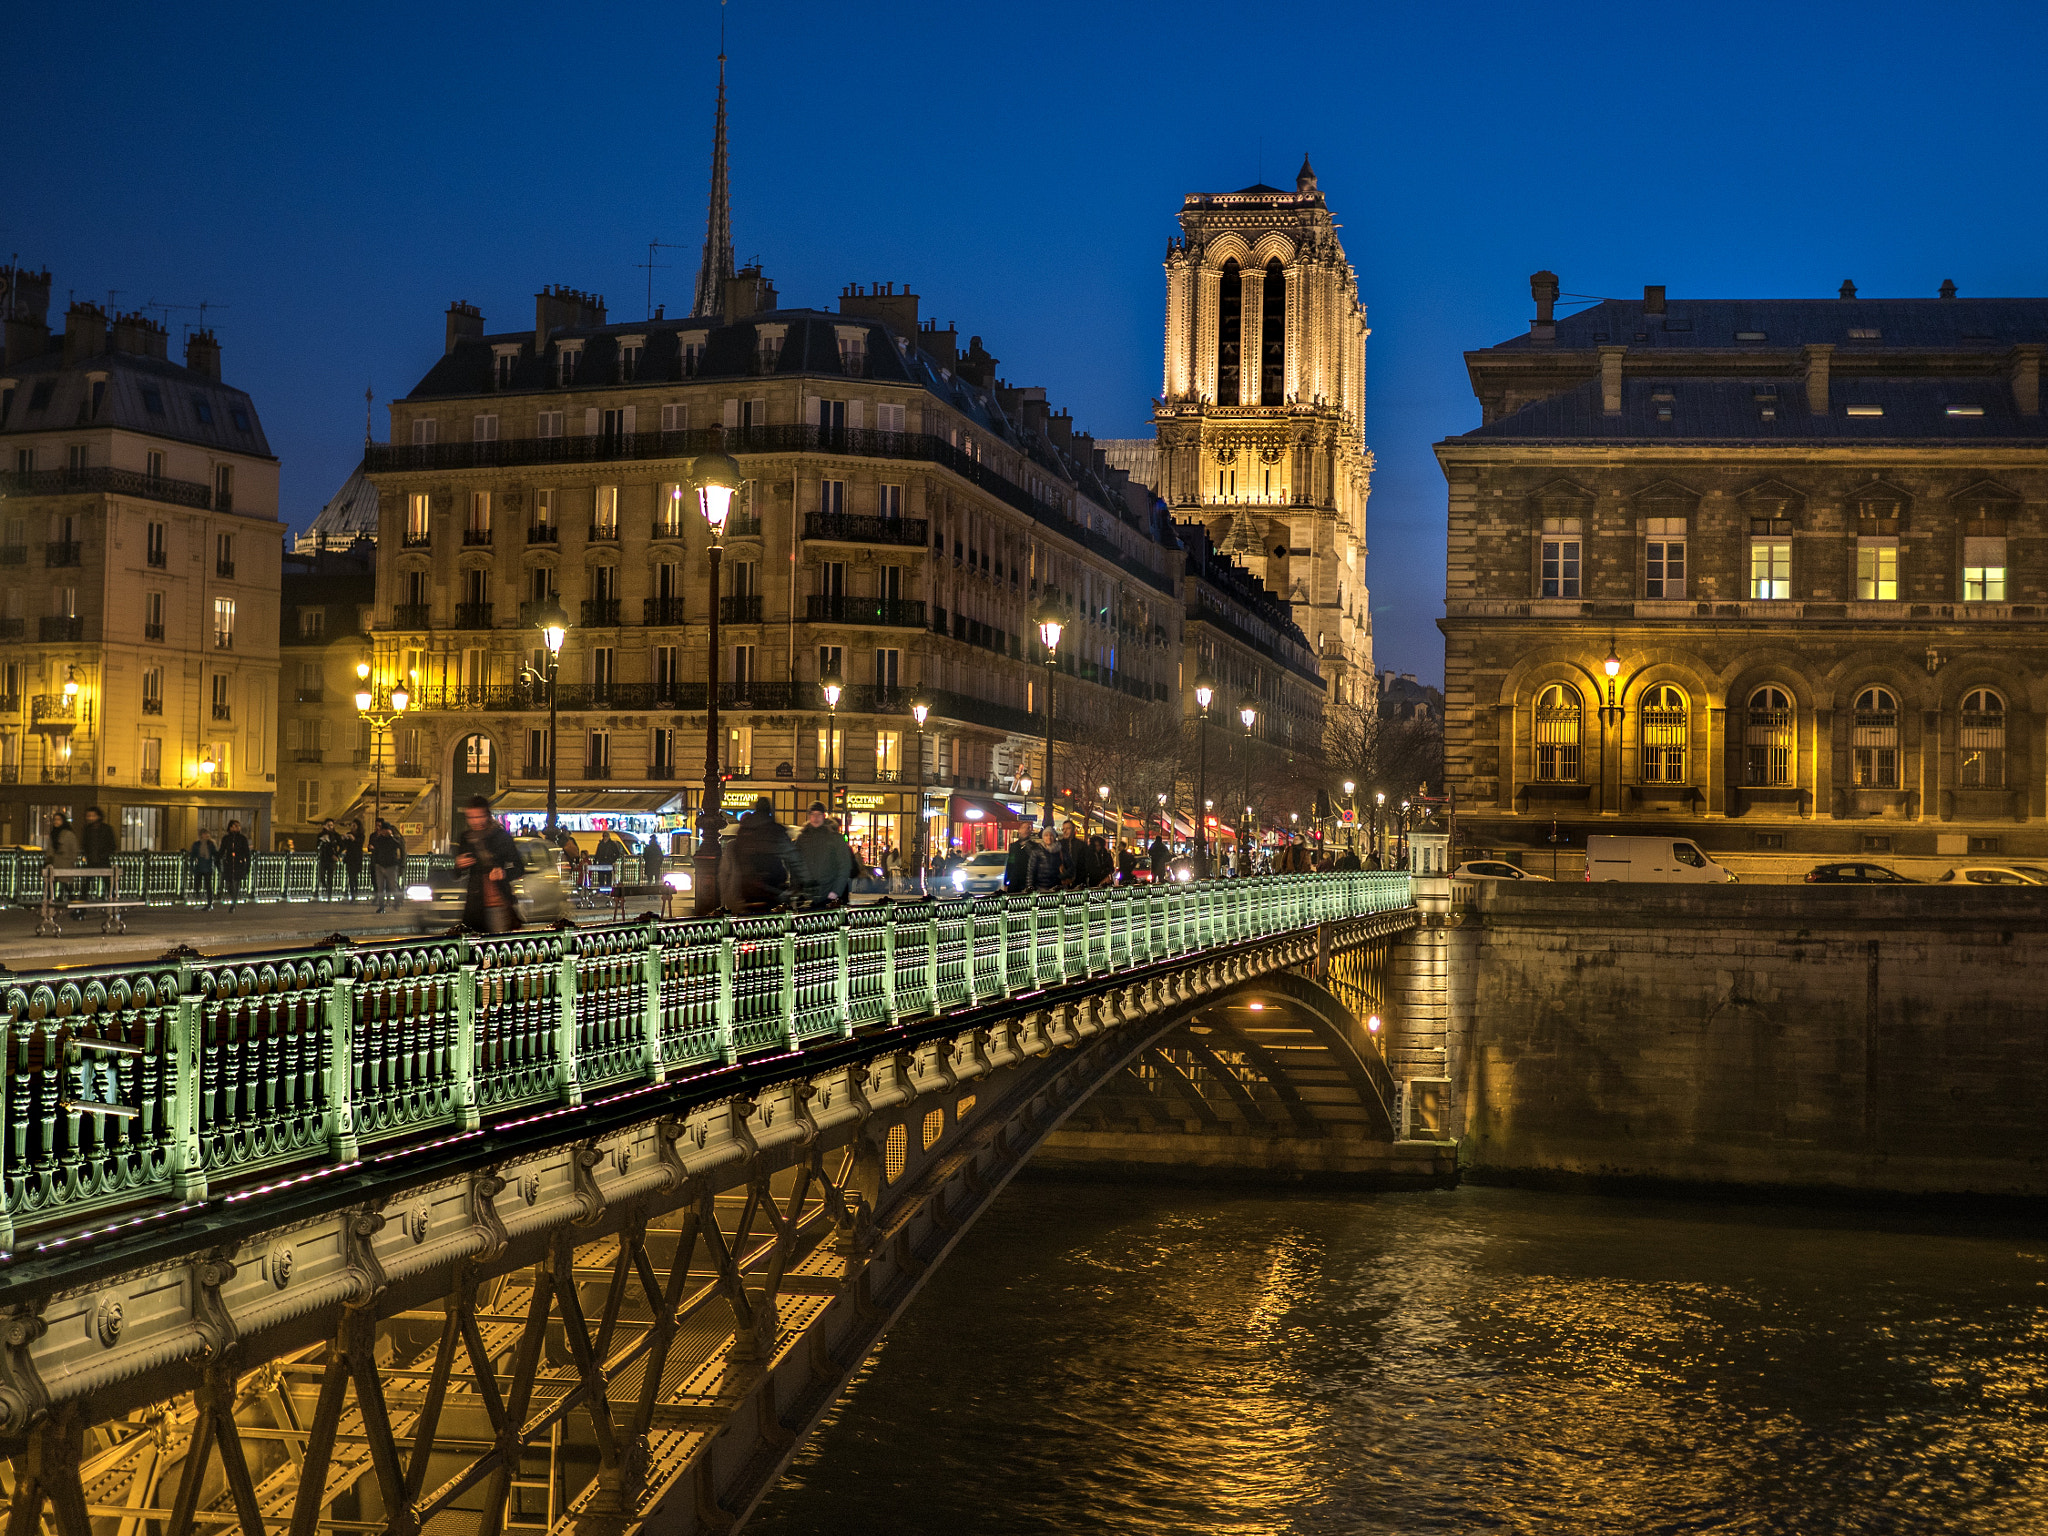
(476, 773)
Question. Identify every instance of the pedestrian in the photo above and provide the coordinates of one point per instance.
(828, 862)
(352, 857)
(1048, 865)
(329, 846)
(1161, 857)
(759, 868)
(96, 848)
(234, 861)
(1101, 866)
(493, 864)
(1347, 862)
(1017, 867)
(1073, 857)
(651, 859)
(387, 859)
(604, 867)
(1126, 864)
(199, 861)
(60, 846)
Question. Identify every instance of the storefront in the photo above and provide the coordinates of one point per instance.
(976, 823)
(589, 813)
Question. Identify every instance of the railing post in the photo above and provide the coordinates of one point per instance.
(931, 960)
(842, 974)
(889, 966)
(726, 1047)
(462, 1062)
(341, 1077)
(188, 1172)
(650, 1013)
(568, 1077)
(1035, 922)
(1003, 948)
(788, 980)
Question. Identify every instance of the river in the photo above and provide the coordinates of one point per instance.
(1136, 1361)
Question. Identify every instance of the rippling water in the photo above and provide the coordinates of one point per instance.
(1144, 1360)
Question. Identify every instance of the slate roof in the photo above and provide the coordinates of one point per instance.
(143, 394)
(1724, 410)
(1687, 324)
(349, 515)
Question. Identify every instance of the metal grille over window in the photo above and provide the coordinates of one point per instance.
(1980, 745)
(1557, 734)
(1664, 718)
(1874, 739)
(1769, 737)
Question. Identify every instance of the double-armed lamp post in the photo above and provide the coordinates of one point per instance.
(1249, 714)
(1351, 805)
(380, 723)
(920, 711)
(832, 685)
(717, 476)
(1205, 694)
(553, 625)
(1049, 626)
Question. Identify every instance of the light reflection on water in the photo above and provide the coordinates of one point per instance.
(1141, 1361)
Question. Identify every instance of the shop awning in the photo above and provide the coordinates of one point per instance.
(592, 802)
(984, 808)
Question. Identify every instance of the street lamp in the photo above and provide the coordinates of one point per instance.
(717, 477)
(1205, 694)
(1351, 804)
(1049, 625)
(1249, 714)
(1379, 805)
(920, 711)
(380, 723)
(553, 625)
(1103, 791)
(832, 685)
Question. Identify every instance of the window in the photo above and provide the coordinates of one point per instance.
(739, 751)
(479, 514)
(1983, 569)
(1229, 334)
(223, 707)
(852, 354)
(312, 623)
(153, 691)
(223, 487)
(25, 458)
(693, 357)
(543, 509)
(668, 672)
(888, 755)
(613, 425)
(152, 615)
(661, 753)
(629, 358)
(743, 672)
(832, 753)
(1557, 734)
(1768, 738)
(565, 362)
(548, 424)
(604, 666)
(1664, 719)
(425, 430)
(597, 754)
(156, 545)
(483, 427)
(79, 457)
(153, 464)
(202, 408)
(831, 496)
(223, 623)
(608, 511)
(309, 800)
(1770, 568)
(224, 554)
(888, 668)
(152, 760)
(1874, 739)
(1560, 574)
(1664, 557)
(889, 500)
(1877, 570)
(675, 418)
(831, 661)
(888, 418)
(1980, 746)
(153, 400)
(416, 511)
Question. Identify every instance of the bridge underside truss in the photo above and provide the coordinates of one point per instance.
(636, 1327)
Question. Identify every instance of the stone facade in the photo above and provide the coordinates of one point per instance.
(1810, 536)
(327, 754)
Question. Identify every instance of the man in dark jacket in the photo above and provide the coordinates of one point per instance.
(1347, 862)
(234, 861)
(828, 862)
(387, 858)
(492, 861)
(329, 846)
(759, 868)
(1161, 857)
(1048, 872)
(1017, 867)
(97, 845)
(1073, 850)
(610, 854)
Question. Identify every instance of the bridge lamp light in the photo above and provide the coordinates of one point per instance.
(1162, 797)
(833, 687)
(363, 671)
(1205, 691)
(1372, 1024)
(1612, 667)
(1050, 626)
(1350, 789)
(364, 699)
(1250, 716)
(207, 765)
(717, 476)
(1380, 798)
(399, 700)
(1023, 783)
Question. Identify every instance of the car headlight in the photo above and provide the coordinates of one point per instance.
(1183, 874)
(676, 880)
(959, 879)
(419, 893)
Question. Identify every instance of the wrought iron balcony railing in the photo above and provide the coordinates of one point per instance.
(71, 628)
(896, 612)
(63, 552)
(600, 612)
(472, 615)
(116, 482)
(663, 610)
(410, 615)
(740, 608)
(850, 528)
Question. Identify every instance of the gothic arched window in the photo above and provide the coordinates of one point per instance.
(1557, 734)
(1273, 334)
(1229, 334)
(1981, 744)
(1664, 720)
(1770, 737)
(1874, 739)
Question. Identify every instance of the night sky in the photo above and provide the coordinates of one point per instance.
(333, 176)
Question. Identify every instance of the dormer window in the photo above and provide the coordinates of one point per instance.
(569, 358)
(768, 344)
(504, 359)
(693, 356)
(853, 341)
(629, 357)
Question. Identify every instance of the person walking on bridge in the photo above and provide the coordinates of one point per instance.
(759, 868)
(828, 862)
(493, 863)
(234, 861)
(387, 858)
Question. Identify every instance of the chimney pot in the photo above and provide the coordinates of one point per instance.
(1610, 380)
(202, 355)
(1948, 287)
(2026, 378)
(1653, 298)
(1847, 291)
(1818, 355)
(1543, 289)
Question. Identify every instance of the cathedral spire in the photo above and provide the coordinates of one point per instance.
(717, 265)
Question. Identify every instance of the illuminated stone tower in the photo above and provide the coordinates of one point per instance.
(1261, 422)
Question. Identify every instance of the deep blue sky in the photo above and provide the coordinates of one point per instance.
(335, 175)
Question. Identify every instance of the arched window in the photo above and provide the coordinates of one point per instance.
(1769, 737)
(1557, 734)
(1981, 744)
(1664, 719)
(1272, 333)
(1229, 334)
(1874, 739)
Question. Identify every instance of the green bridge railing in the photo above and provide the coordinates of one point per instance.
(128, 1083)
(165, 879)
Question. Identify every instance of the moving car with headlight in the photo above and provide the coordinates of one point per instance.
(979, 874)
(541, 892)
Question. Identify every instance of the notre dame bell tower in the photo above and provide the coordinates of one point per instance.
(1261, 425)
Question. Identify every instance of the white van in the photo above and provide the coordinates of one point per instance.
(1648, 860)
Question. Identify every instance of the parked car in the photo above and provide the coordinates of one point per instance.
(2033, 872)
(1984, 874)
(980, 874)
(1651, 860)
(1856, 874)
(541, 892)
(1494, 869)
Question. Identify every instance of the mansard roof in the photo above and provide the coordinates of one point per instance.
(1869, 325)
(143, 394)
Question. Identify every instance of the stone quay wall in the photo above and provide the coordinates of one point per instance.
(1856, 1039)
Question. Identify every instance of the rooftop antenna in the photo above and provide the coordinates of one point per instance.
(652, 265)
(369, 413)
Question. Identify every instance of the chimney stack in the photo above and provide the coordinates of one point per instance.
(464, 320)
(942, 347)
(560, 308)
(977, 367)
(1818, 355)
(27, 312)
(896, 310)
(1543, 289)
(202, 355)
(748, 293)
(140, 335)
(85, 331)
(2026, 378)
(1610, 380)
(1653, 298)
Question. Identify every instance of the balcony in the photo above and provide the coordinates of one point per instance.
(663, 610)
(10, 773)
(223, 639)
(661, 770)
(416, 538)
(743, 525)
(119, 482)
(10, 704)
(407, 771)
(848, 528)
(604, 532)
(152, 632)
(13, 629)
(13, 554)
(67, 773)
(158, 560)
(360, 756)
(72, 628)
(740, 608)
(308, 755)
(472, 615)
(670, 528)
(600, 613)
(597, 770)
(895, 612)
(224, 712)
(410, 615)
(474, 538)
(224, 568)
(61, 552)
(531, 610)
(533, 770)
(310, 695)
(152, 704)
(152, 776)
(543, 533)
(53, 712)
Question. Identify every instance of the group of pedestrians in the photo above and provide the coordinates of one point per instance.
(1071, 862)
(343, 853)
(225, 861)
(761, 866)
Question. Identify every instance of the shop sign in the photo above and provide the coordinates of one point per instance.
(864, 802)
